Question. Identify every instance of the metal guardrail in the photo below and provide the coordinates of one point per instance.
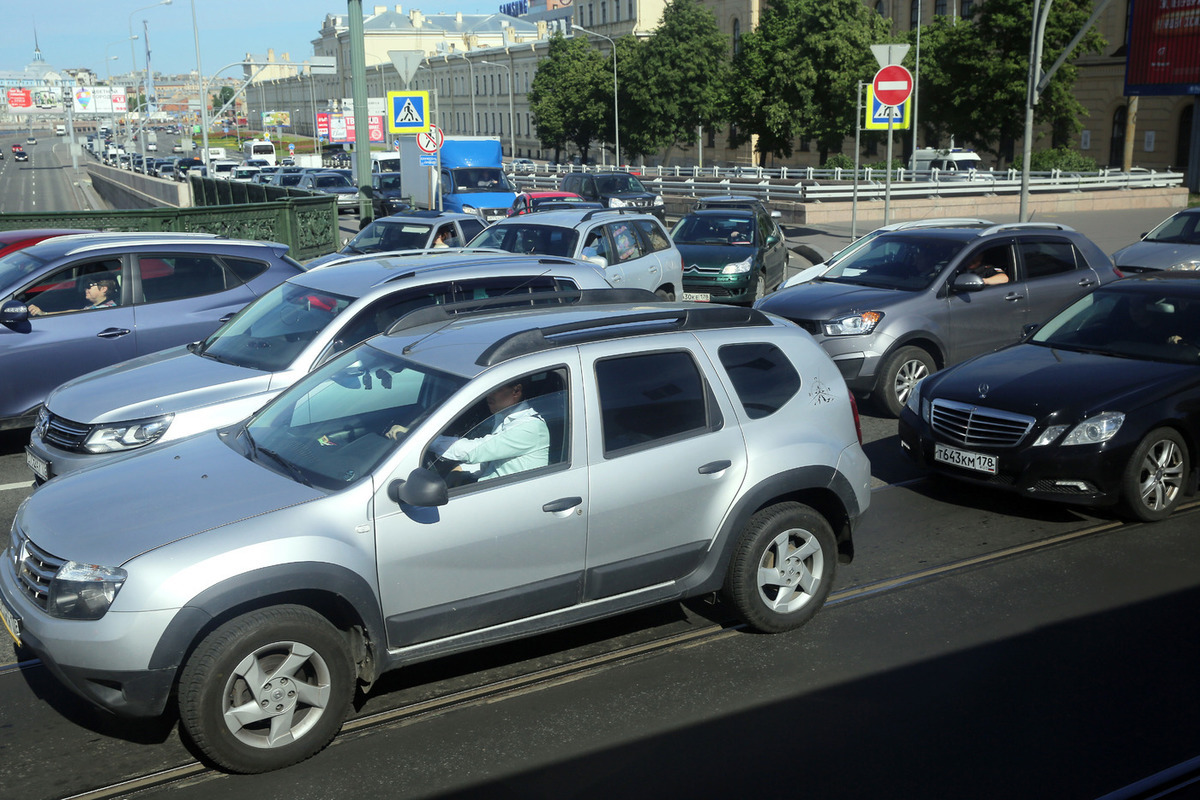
(810, 185)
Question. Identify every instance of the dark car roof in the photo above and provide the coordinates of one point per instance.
(1181, 282)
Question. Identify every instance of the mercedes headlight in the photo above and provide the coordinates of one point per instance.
(83, 591)
(853, 325)
(738, 268)
(1099, 428)
(122, 436)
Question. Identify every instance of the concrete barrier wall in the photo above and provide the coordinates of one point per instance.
(121, 188)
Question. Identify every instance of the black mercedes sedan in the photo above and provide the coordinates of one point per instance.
(1098, 406)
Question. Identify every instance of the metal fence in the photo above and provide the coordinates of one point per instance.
(811, 185)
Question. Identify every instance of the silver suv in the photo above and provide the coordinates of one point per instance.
(634, 249)
(270, 345)
(478, 478)
(909, 302)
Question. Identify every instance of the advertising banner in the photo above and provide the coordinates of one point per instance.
(35, 100)
(99, 100)
(20, 99)
(276, 119)
(1163, 47)
(339, 128)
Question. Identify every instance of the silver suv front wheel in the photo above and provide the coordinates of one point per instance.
(266, 689)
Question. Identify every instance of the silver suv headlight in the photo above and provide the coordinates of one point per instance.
(127, 435)
(83, 591)
(1191, 264)
(853, 325)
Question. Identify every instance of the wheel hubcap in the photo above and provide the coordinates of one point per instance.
(1161, 475)
(790, 571)
(276, 694)
(909, 375)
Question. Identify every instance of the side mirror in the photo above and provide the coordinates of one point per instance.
(424, 488)
(599, 261)
(13, 311)
(967, 282)
(1028, 330)
(1144, 234)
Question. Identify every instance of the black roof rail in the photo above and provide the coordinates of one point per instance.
(598, 329)
(522, 301)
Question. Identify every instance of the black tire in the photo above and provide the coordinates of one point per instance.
(901, 372)
(213, 684)
(773, 591)
(1155, 477)
(664, 294)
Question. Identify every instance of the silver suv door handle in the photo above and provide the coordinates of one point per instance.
(561, 504)
(113, 333)
(714, 467)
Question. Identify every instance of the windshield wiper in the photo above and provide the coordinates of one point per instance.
(294, 470)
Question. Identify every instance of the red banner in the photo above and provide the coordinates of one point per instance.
(1164, 47)
(20, 98)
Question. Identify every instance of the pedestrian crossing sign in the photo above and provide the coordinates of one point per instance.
(408, 112)
(878, 114)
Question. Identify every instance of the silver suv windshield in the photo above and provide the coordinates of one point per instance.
(521, 237)
(335, 425)
(897, 261)
(390, 234)
(270, 332)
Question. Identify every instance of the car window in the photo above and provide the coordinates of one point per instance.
(762, 376)
(1183, 228)
(470, 228)
(65, 289)
(515, 428)
(989, 261)
(766, 228)
(549, 240)
(270, 332)
(1047, 257)
(245, 269)
(391, 235)
(596, 245)
(625, 240)
(649, 398)
(484, 288)
(653, 235)
(380, 315)
(173, 277)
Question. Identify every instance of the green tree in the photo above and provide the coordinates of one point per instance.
(974, 74)
(222, 97)
(796, 74)
(568, 93)
(677, 80)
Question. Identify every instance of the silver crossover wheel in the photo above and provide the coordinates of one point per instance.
(266, 689)
(782, 568)
(903, 370)
(1154, 478)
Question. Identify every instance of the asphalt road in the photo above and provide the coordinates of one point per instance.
(979, 646)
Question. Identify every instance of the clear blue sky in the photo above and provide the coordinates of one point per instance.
(78, 33)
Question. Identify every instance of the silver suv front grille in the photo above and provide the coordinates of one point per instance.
(979, 427)
(35, 567)
(65, 434)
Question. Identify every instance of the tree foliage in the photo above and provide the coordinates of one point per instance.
(568, 94)
(796, 75)
(222, 97)
(676, 80)
(974, 74)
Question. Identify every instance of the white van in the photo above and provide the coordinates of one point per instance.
(222, 168)
(387, 161)
(957, 159)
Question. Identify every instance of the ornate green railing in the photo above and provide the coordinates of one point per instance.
(308, 225)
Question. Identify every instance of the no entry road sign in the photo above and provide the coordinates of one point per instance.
(893, 85)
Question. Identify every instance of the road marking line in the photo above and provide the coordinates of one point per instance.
(4, 487)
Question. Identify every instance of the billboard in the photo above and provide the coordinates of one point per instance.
(1163, 47)
(339, 128)
(99, 100)
(35, 100)
(276, 119)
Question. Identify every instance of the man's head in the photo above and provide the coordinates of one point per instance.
(504, 396)
(99, 289)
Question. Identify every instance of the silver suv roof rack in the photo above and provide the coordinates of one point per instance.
(1017, 226)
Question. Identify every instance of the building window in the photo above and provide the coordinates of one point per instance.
(939, 8)
(881, 8)
(737, 36)
(604, 12)
(968, 9)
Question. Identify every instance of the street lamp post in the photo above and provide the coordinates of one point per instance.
(108, 72)
(512, 136)
(474, 116)
(616, 114)
(203, 90)
(132, 57)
